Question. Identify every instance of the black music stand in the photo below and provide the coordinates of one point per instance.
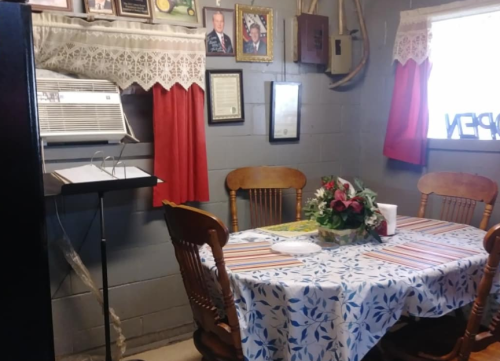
(54, 186)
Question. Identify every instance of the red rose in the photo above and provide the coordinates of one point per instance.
(346, 186)
(329, 185)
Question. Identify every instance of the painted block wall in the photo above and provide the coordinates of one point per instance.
(145, 285)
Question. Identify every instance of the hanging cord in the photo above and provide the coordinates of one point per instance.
(366, 49)
(83, 273)
(43, 156)
(284, 49)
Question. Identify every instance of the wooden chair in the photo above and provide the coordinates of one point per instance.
(190, 228)
(460, 192)
(420, 340)
(265, 187)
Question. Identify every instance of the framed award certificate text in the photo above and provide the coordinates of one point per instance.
(285, 111)
(225, 96)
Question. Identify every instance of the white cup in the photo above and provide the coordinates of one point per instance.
(390, 212)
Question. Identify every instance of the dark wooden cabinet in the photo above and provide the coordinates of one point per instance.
(26, 303)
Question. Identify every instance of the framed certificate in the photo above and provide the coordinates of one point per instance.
(225, 96)
(134, 8)
(285, 111)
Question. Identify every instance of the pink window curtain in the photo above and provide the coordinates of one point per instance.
(180, 158)
(406, 137)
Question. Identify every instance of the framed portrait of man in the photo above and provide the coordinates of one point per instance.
(220, 31)
(104, 7)
(254, 33)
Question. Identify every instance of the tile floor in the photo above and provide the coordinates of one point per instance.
(181, 351)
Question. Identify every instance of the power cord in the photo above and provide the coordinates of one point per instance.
(66, 235)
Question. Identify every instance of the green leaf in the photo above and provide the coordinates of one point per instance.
(359, 183)
(375, 235)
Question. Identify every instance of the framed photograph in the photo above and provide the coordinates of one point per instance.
(220, 31)
(60, 5)
(254, 33)
(285, 111)
(177, 12)
(134, 8)
(103, 7)
(225, 96)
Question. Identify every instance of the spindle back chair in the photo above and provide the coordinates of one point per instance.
(265, 186)
(189, 229)
(460, 193)
(406, 345)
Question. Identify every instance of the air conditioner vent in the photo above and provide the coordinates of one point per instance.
(73, 110)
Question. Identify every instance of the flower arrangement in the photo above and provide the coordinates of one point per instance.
(338, 205)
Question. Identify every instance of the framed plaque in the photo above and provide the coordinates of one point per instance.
(134, 8)
(285, 111)
(225, 96)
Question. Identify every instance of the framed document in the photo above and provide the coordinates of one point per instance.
(134, 8)
(285, 111)
(225, 96)
(61, 5)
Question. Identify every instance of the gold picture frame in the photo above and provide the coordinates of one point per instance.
(250, 21)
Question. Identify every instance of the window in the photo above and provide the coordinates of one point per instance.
(464, 85)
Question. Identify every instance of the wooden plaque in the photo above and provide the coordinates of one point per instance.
(312, 39)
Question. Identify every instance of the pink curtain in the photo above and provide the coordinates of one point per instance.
(406, 137)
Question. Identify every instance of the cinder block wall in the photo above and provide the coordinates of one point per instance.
(146, 288)
(396, 182)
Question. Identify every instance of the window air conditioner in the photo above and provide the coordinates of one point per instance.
(78, 110)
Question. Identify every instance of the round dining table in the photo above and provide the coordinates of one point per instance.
(339, 302)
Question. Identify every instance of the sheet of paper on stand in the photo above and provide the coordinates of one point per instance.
(85, 173)
(128, 172)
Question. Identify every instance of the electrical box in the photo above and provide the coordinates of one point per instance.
(312, 39)
(340, 61)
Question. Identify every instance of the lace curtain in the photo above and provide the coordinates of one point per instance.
(414, 35)
(120, 51)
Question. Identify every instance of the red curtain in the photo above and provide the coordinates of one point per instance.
(406, 137)
(180, 158)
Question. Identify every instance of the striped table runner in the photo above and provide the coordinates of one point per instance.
(430, 226)
(422, 254)
(255, 256)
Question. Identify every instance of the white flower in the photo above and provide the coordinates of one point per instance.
(320, 193)
(321, 207)
(351, 192)
(372, 221)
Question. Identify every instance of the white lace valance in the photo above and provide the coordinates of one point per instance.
(414, 35)
(120, 51)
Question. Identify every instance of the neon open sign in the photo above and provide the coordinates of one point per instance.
(468, 125)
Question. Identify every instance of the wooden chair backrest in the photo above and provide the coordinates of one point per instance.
(189, 229)
(265, 187)
(472, 342)
(460, 192)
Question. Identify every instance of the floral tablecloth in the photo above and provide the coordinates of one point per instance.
(341, 303)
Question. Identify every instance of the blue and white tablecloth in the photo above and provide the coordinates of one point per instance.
(341, 303)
